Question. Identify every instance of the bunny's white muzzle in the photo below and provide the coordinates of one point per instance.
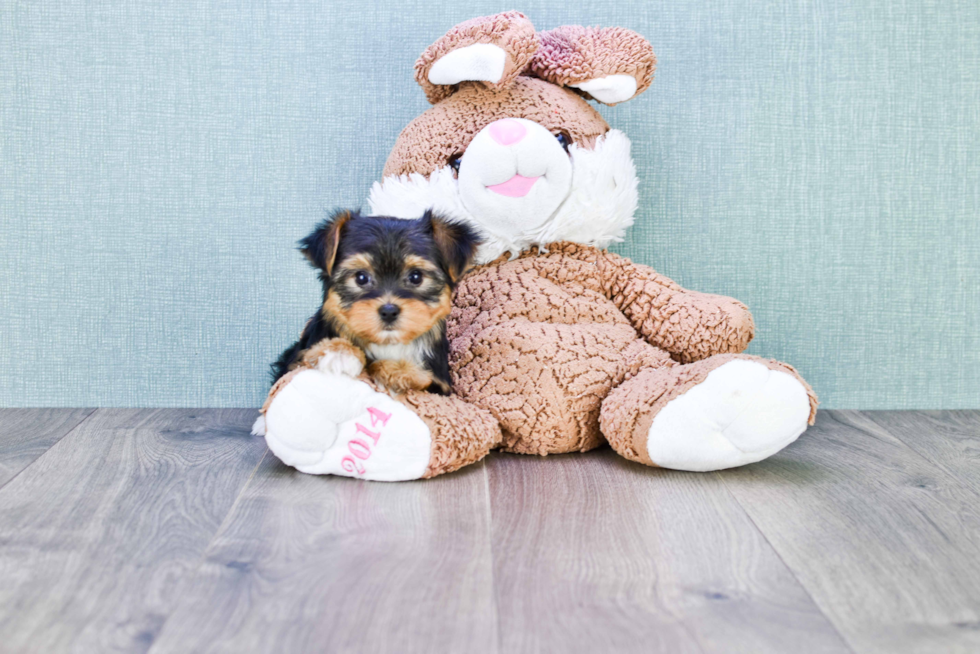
(595, 209)
(514, 175)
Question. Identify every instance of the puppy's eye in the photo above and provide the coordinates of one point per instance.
(564, 140)
(361, 278)
(415, 277)
(454, 162)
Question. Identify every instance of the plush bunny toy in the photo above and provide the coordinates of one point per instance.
(556, 344)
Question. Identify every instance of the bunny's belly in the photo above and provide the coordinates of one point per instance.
(536, 343)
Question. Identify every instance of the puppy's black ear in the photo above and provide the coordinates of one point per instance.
(456, 243)
(320, 247)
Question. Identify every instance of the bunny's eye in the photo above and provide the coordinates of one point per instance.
(564, 140)
(454, 162)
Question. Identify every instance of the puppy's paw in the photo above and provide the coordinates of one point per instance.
(335, 356)
(399, 376)
(340, 363)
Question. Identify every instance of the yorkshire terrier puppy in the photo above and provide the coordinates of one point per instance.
(387, 289)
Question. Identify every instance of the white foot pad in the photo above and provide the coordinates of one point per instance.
(328, 424)
(340, 363)
(741, 413)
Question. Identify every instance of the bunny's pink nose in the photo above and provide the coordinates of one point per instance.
(507, 131)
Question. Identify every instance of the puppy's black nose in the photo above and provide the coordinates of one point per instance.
(389, 312)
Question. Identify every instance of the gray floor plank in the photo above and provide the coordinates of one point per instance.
(596, 554)
(887, 543)
(309, 564)
(126, 533)
(100, 533)
(26, 434)
(950, 439)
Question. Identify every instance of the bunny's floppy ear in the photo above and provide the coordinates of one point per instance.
(608, 64)
(493, 50)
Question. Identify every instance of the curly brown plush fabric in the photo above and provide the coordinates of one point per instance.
(445, 130)
(573, 54)
(461, 433)
(541, 340)
(510, 30)
(688, 324)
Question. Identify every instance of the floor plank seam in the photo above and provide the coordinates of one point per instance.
(207, 548)
(951, 477)
(78, 424)
(234, 504)
(493, 575)
(953, 474)
(692, 632)
(847, 643)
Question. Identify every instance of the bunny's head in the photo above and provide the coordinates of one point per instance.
(511, 146)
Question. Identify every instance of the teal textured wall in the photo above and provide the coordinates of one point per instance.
(818, 160)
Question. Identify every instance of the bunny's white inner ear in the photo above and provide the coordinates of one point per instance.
(480, 62)
(609, 89)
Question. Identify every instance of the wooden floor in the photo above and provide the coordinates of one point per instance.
(176, 531)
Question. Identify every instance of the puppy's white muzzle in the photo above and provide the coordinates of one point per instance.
(514, 175)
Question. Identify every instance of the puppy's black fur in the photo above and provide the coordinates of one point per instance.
(387, 243)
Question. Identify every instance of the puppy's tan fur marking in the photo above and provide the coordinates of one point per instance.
(419, 317)
(358, 261)
(361, 324)
(334, 312)
(415, 261)
(400, 376)
(363, 320)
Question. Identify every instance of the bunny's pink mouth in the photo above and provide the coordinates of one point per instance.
(516, 187)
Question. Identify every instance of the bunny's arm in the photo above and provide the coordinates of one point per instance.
(689, 325)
